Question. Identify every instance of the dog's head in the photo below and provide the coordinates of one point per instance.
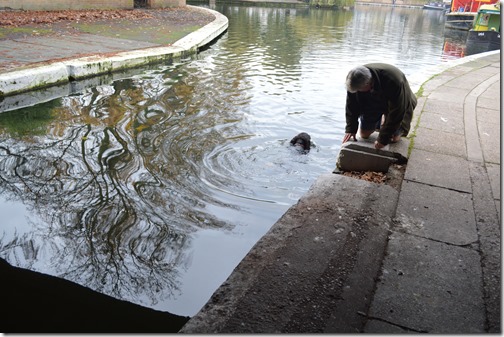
(302, 140)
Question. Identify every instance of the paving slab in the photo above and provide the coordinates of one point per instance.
(445, 108)
(461, 69)
(110, 42)
(443, 122)
(22, 52)
(488, 102)
(436, 213)
(434, 83)
(492, 93)
(449, 94)
(30, 53)
(481, 62)
(7, 45)
(489, 72)
(440, 142)
(66, 47)
(88, 43)
(51, 48)
(428, 286)
(488, 115)
(490, 144)
(444, 170)
(465, 82)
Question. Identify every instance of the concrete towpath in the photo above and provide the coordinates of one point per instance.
(355, 256)
(441, 272)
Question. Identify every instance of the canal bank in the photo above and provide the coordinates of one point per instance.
(36, 59)
(355, 256)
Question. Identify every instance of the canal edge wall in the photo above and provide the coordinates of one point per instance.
(61, 72)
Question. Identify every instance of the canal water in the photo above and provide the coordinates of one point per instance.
(153, 187)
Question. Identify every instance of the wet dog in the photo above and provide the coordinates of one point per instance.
(302, 142)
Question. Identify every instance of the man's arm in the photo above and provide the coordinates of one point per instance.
(397, 106)
(351, 113)
(352, 117)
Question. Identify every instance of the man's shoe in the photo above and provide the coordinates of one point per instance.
(395, 139)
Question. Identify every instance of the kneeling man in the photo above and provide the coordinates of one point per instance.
(377, 90)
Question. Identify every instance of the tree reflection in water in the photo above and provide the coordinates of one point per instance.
(103, 172)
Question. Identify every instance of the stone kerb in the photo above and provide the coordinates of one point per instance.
(362, 156)
(31, 78)
(24, 80)
(93, 65)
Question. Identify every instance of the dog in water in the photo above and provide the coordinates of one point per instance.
(302, 142)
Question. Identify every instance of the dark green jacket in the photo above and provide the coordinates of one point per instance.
(391, 84)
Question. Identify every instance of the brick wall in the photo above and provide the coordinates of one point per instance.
(66, 4)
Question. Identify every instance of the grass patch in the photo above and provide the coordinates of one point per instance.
(12, 32)
(163, 35)
(420, 91)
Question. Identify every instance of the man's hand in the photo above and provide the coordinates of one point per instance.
(348, 136)
(378, 145)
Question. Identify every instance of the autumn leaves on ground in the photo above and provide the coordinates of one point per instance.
(155, 25)
(16, 18)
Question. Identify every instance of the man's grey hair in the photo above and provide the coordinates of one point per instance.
(358, 78)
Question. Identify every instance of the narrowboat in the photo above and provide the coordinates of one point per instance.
(485, 33)
(463, 12)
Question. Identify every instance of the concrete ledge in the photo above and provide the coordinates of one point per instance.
(315, 269)
(355, 160)
(20, 81)
(362, 156)
(25, 79)
(204, 36)
(97, 65)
